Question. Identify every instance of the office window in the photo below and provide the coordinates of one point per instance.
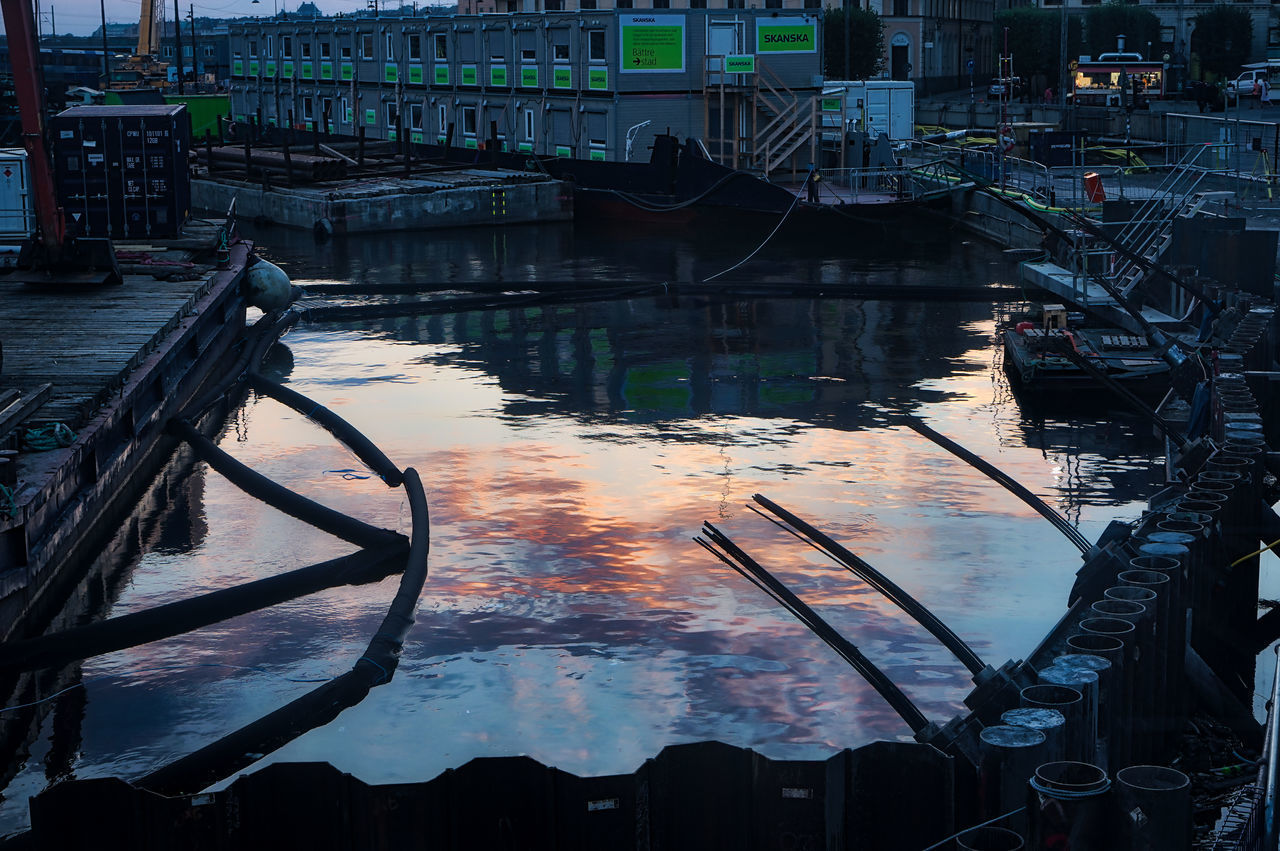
(702, 4)
(555, 5)
(442, 118)
(345, 51)
(528, 54)
(271, 47)
(415, 116)
(624, 4)
(346, 110)
(442, 46)
(324, 50)
(773, 4)
(326, 112)
(595, 45)
(308, 109)
(662, 4)
(253, 49)
(366, 45)
(415, 48)
(528, 124)
(587, 5)
(286, 46)
(469, 121)
(208, 51)
(393, 116)
(391, 53)
(305, 47)
(168, 51)
(561, 52)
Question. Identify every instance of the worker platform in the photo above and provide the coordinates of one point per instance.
(88, 378)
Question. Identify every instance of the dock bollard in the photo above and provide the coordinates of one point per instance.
(1085, 682)
(1008, 756)
(1066, 700)
(1153, 806)
(1050, 722)
(989, 839)
(1154, 668)
(1067, 803)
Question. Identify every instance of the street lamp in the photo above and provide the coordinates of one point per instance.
(275, 12)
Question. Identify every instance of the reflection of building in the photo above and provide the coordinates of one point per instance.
(591, 84)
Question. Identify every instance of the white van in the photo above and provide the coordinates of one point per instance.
(1242, 86)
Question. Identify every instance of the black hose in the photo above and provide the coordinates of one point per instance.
(295, 505)
(845, 648)
(884, 585)
(1124, 393)
(1060, 523)
(171, 619)
(321, 705)
(342, 430)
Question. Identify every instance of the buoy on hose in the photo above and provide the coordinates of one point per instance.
(267, 287)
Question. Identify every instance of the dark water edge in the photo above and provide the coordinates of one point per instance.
(570, 453)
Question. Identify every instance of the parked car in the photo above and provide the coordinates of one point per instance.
(1243, 85)
(1006, 87)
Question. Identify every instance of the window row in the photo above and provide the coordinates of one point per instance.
(412, 48)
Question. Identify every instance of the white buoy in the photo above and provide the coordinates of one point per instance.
(267, 287)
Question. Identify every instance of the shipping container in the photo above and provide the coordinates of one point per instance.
(121, 171)
(877, 106)
(17, 218)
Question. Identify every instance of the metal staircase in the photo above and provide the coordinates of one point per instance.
(781, 122)
(1150, 231)
(790, 122)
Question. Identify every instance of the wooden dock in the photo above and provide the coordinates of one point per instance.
(89, 377)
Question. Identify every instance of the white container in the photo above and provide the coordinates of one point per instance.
(17, 217)
(879, 106)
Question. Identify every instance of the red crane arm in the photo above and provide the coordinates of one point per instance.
(24, 58)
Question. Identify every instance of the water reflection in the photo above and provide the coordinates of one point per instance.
(570, 454)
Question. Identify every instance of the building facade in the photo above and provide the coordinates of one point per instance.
(593, 85)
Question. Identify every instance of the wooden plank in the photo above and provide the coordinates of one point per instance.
(14, 414)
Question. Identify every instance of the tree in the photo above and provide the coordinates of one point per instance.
(1140, 28)
(1222, 38)
(1037, 34)
(866, 44)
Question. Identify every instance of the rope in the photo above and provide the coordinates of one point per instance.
(666, 208)
(45, 438)
(8, 504)
(776, 228)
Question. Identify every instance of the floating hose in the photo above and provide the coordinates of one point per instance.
(48, 651)
(247, 745)
(276, 495)
(347, 434)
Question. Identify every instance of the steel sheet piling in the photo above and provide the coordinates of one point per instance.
(1008, 758)
(1152, 674)
(1050, 722)
(1085, 682)
(1064, 699)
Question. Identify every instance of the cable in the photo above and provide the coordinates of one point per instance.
(1255, 553)
(776, 227)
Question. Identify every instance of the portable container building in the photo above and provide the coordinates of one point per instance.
(876, 106)
(17, 218)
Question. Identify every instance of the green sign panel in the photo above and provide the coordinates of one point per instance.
(306, 125)
(529, 78)
(286, 70)
(390, 73)
(498, 75)
(416, 138)
(469, 143)
(253, 68)
(469, 75)
(237, 67)
(831, 104)
(597, 155)
(652, 43)
(270, 70)
(562, 78)
(415, 74)
(391, 135)
(346, 71)
(794, 35)
(740, 64)
(524, 148)
(306, 70)
(371, 116)
(563, 151)
(441, 77)
(597, 78)
(326, 70)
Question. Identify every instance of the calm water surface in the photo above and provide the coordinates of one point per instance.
(570, 454)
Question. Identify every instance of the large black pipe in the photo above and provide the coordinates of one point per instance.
(159, 622)
(295, 505)
(884, 585)
(995, 474)
(319, 706)
(362, 446)
(753, 571)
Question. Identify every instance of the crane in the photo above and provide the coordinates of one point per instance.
(148, 29)
(58, 258)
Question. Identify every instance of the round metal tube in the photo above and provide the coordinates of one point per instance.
(989, 839)
(1051, 722)
(1064, 699)
(1069, 807)
(1008, 757)
(1152, 667)
(1110, 699)
(1085, 682)
(1154, 807)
